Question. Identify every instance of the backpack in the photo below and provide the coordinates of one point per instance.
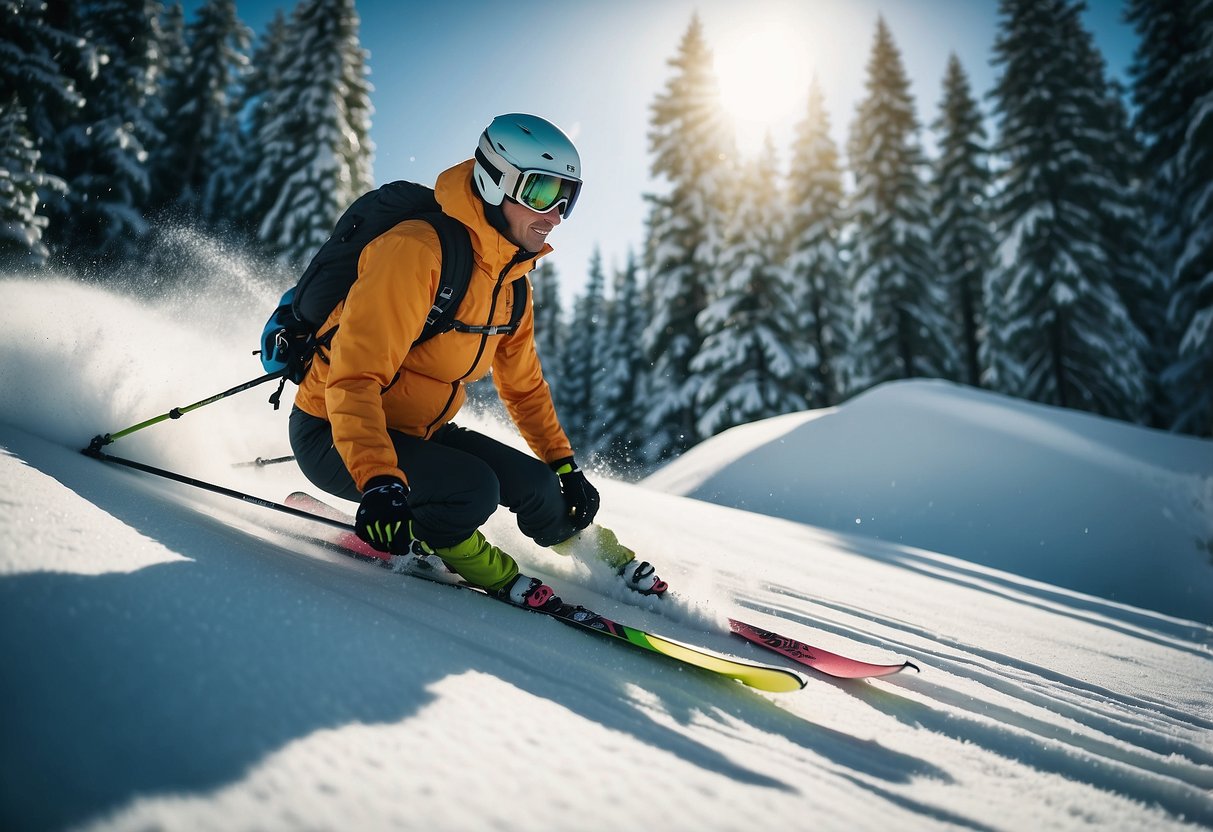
(290, 339)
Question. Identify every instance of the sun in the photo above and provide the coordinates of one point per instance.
(764, 74)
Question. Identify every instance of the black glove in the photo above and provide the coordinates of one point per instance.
(383, 515)
(580, 497)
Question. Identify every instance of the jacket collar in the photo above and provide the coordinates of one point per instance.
(455, 194)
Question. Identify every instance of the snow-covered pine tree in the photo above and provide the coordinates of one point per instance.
(199, 110)
(261, 172)
(1058, 330)
(748, 367)
(30, 77)
(692, 152)
(621, 421)
(582, 371)
(104, 147)
(1122, 211)
(164, 158)
(319, 129)
(815, 260)
(961, 230)
(1137, 274)
(21, 225)
(1192, 308)
(902, 325)
(43, 61)
(549, 320)
(1173, 89)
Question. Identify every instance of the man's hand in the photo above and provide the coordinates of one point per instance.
(580, 497)
(383, 515)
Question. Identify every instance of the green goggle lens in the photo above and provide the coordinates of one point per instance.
(542, 191)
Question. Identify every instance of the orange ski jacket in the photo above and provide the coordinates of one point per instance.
(373, 379)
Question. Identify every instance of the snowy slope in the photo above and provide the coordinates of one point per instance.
(1088, 503)
(175, 659)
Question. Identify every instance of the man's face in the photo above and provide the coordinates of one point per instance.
(528, 229)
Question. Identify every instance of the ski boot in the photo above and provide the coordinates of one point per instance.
(532, 593)
(598, 543)
(640, 576)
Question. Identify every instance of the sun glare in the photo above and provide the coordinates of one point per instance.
(764, 75)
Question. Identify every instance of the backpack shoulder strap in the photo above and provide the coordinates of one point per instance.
(521, 288)
(456, 273)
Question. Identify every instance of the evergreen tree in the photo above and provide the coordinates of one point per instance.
(691, 153)
(583, 360)
(549, 320)
(164, 160)
(261, 172)
(104, 149)
(747, 367)
(51, 61)
(1137, 273)
(1192, 308)
(32, 80)
(962, 237)
(1173, 90)
(20, 178)
(1059, 332)
(622, 420)
(1124, 229)
(902, 326)
(817, 272)
(318, 130)
(200, 108)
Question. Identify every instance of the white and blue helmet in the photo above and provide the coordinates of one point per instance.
(529, 160)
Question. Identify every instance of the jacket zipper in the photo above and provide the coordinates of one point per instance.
(484, 340)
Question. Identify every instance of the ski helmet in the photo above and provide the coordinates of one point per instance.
(529, 160)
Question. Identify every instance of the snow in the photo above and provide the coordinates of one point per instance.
(175, 659)
(1087, 503)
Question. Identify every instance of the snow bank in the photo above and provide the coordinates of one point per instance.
(1091, 504)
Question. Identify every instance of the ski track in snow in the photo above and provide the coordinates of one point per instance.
(175, 659)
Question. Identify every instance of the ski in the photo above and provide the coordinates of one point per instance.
(753, 674)
(823, 661)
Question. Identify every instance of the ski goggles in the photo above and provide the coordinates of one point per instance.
(541, 192)
(538, 190)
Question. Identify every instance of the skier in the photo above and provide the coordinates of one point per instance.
(372, 418)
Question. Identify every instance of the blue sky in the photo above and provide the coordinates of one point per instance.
(442, 70)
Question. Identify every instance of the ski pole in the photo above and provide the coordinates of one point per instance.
(101, 440)
(261, 462)
(97, 453)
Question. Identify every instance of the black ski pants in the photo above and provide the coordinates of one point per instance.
(457, 479)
